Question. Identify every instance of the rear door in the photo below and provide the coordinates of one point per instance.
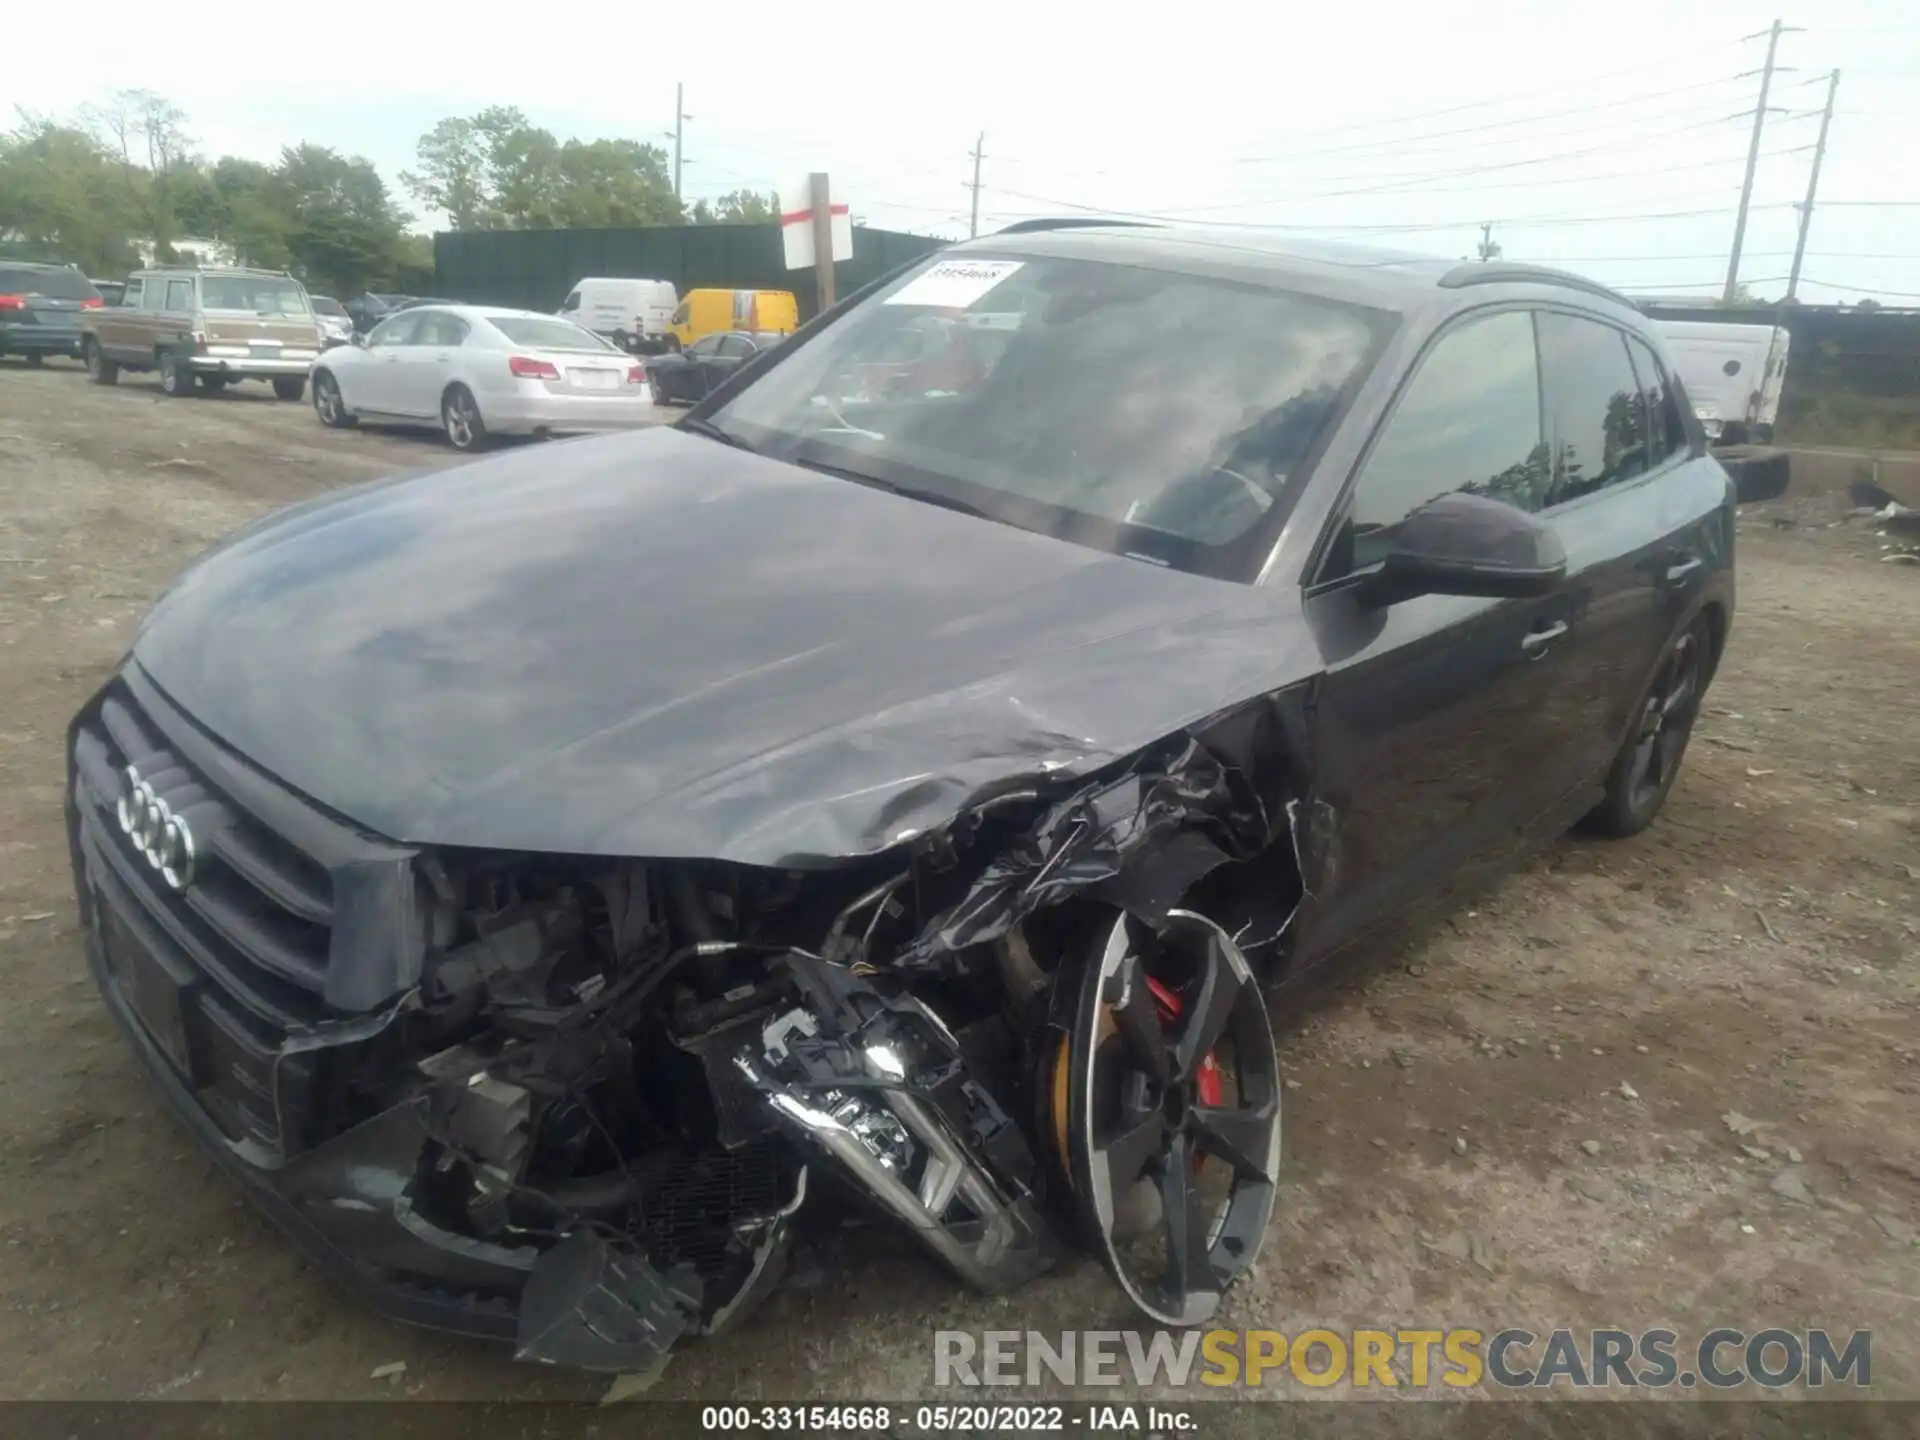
(1433, 745)
(732, 352)
(695, 378)
(429, 359)
(116, 326)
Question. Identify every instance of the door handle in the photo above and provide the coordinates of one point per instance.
(1680, 570)
(1535, 642)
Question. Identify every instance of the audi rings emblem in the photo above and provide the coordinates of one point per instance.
(157, 833)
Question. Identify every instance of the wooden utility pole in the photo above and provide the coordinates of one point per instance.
(1489, 249)
(979, 145)
(1753, 160)
(1813, 188)
(821, 196)
(679, 131)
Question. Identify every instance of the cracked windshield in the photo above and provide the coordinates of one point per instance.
(1049, 393)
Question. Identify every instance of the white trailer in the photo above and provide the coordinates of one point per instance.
(1733, 375)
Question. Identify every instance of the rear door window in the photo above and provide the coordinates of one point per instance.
(1594, 407)
(737, 346)
(1666, 437)
(179, 295)
(132, 298)
(439, 327)
(1469, 420)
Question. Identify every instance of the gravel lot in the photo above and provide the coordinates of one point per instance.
(1757, 953)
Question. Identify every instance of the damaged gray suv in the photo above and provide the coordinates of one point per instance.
(907, 777)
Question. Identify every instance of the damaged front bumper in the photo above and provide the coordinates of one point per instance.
(350, 1204)
(877, 1088)
(343, 1202)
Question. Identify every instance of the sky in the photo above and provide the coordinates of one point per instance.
(1608, 139)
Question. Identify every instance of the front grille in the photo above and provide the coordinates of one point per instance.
(222, 972)
(690, 1205)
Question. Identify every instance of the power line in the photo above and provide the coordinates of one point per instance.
(1870, 289)
(1395, 228)
(1396, 183)
(1559, 87)
(1614, 104)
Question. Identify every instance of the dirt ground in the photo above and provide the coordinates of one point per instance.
(1757, 953)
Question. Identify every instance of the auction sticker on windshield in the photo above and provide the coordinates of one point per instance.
(954, 284)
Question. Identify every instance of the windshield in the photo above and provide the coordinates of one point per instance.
(257, 294)
(540, 333)
(1140, 411)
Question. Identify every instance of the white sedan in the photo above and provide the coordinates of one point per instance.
(477, 371)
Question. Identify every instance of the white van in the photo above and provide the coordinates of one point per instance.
(633, 314)
(1733, 375)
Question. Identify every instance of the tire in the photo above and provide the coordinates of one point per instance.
(1647, 765)
(100, 369)
(176, 380)
(289, 387)
(329, 405)
(461, 422)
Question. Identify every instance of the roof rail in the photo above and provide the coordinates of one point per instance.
(1069, 222)
(1486, 272)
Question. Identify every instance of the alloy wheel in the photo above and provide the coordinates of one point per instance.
(1667, 721)
(459, 418)
(326, 400)
(1175, 1112)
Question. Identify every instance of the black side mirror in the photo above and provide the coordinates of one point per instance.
(1465, 544)
(1757, 474)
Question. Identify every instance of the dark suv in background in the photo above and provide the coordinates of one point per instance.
(40, 309)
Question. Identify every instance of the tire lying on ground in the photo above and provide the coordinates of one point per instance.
(1759, 472)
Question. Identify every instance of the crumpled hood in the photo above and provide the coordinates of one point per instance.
(656, 645)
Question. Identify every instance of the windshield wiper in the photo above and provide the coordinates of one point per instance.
(694, 425)
(906, 492)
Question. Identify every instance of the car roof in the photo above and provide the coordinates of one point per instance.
(251, 271)
(1399, 280)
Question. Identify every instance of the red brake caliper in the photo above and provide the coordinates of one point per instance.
(1206, 1084)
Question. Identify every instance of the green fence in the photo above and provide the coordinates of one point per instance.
(534, 269)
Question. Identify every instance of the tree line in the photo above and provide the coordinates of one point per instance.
(96, 188)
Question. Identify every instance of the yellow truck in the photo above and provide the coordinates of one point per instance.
(709, 312)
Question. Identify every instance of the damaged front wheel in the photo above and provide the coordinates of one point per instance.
(1167, 1102)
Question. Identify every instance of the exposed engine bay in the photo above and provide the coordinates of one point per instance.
(626, 1079)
